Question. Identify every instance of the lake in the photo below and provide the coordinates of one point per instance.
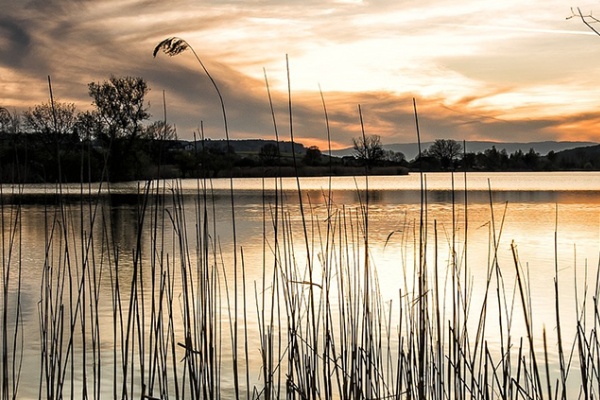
(110, 291)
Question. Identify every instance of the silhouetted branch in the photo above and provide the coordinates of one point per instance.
(588, 19)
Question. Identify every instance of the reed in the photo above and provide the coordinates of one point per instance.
(12, 335)
(156, 314)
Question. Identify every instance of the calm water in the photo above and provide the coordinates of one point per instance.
(525, 209)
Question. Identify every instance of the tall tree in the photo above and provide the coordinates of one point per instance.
(121, 108)
(121, 105)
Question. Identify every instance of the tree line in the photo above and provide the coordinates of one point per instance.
(449, 155)
(115, 141)
(53, 141)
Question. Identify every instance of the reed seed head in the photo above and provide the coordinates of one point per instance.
(171, 46)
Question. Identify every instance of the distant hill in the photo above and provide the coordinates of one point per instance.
(579, 158)
(411, 150)
(247, 145)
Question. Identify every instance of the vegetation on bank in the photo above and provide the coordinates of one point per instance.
(36, 157)
(447, 154)
(54, 142)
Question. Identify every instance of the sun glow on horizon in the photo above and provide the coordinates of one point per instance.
(525, 68)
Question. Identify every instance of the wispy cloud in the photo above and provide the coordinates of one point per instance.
(491, 27)
(478, 69)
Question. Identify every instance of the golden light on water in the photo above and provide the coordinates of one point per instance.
(520, 211)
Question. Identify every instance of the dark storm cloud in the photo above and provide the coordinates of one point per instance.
(54, 6)
(14, 42)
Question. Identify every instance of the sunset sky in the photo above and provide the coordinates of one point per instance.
(501, 71)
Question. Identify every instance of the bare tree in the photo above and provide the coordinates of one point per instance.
(368, 149)
(44, 118)
(88, 125)
(446, 151)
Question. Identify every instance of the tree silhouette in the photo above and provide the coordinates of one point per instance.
(158, 130)
(269, 154)
(368, 149)
(312, 156)
(446, 151)
(121, 105)
(44, 119)
(394, 157)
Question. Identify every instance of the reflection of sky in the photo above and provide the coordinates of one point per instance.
(479, 70)
(476, 181)
(567, 184)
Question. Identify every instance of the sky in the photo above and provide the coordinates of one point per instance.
(478, 70)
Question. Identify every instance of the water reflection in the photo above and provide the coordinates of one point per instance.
(527, 217)
(376, 196)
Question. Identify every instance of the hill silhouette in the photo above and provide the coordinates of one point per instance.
(587, 157)
(246, 145)
(411, 150)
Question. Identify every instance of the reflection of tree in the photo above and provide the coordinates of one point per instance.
(123, 217)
